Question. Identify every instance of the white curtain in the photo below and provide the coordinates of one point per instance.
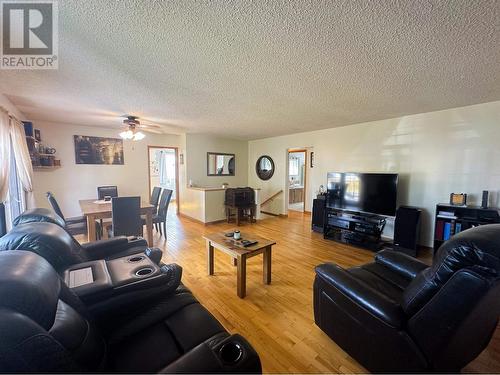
(4, 155)
(23, 160)
(162, 166)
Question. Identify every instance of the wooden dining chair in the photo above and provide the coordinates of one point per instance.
(126, 217)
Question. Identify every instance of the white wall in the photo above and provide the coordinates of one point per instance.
(197, 146)
(435, 153)
(74, 181)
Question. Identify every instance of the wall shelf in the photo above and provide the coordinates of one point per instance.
(45, 168)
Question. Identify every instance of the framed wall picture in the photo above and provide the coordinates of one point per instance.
(98, 150)
(38, 135)
(312, 159)
(458, 199)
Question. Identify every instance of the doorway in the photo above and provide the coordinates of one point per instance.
(297, 179)
(163, 171)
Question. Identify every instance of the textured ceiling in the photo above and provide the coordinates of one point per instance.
(252, 69)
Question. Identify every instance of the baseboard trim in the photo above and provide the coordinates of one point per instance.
(216, 222)
(268, 213)
(199, 221)
(184, 216)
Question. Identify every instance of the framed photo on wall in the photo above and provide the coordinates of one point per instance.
(312, 159)
(98, 150)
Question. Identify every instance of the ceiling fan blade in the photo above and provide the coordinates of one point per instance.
(153, 131)
(148, 125)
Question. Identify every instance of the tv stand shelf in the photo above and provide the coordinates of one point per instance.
(450, 220)
(354, 228)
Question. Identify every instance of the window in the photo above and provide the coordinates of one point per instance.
(294, 166)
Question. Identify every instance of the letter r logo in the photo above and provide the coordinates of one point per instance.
(27, 28)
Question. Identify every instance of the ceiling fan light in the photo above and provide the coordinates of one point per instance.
(128, 134)
(138, 136)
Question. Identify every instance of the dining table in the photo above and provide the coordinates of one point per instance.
(94, 210)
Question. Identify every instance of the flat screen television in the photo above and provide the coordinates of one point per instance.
(363, 192)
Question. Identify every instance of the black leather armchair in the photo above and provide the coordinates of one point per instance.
(46, 328)
(399, 315)
(56, 245)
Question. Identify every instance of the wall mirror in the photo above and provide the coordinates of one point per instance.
(264, 167)
(219, 164)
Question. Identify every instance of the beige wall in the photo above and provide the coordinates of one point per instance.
(197, 146)
(435, 154)
(74, 181)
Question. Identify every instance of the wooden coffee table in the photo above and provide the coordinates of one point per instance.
(240, 254)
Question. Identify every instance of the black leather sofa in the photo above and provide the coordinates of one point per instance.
(55, 244)
(45, 327)
(399, 315)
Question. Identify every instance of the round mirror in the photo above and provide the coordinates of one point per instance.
(265, 167)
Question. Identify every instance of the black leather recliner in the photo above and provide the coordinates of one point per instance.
(40, 214)
(399, 315)
(55, 244)
(44, 327)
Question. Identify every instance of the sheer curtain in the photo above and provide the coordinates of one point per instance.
(162, 166)
(4, 154)
(22, 158)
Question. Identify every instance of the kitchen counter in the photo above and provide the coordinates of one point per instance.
(206, 203)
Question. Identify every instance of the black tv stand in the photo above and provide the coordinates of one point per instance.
(355, 228)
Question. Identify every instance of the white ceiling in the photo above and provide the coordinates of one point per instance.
(253, 69)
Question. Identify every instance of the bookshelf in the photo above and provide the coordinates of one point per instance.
(40, 159)
(450, 220)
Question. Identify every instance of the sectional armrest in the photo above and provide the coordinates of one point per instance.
(219, 354)
(107, 248)
(372, 301)
(400, 263)
(75, 220)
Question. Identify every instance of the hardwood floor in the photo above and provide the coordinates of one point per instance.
(277, 319)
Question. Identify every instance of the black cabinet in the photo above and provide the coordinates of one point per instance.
(451, 220)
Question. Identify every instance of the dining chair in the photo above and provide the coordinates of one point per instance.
(155, 197)
(74, 225)
(109, 190)
(160, 218)
(126, 216)
(103, 191)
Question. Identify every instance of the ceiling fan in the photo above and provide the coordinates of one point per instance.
(132, 126)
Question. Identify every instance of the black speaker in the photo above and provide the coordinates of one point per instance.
(407, 229)
(484, 202)
(318, 215)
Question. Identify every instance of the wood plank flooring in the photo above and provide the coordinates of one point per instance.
(277, 319)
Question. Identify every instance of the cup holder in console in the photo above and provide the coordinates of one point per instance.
(231, 352)
(143, 272)
(136, 258)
